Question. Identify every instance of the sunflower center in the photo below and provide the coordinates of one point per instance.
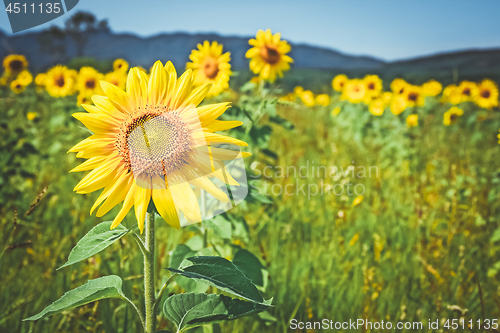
(16, 65)
(371, 85)
(90, 84)
(466, 91)
(453, 117)
(412, 96)
(485, 93)
(59, 81)
(211, 68)
(269, 54)
(154, 143)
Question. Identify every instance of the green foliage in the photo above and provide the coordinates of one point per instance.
(93, 290)
(191, 310)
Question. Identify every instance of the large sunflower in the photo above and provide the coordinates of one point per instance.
(15, 63)
(487, 95)
(339, 82)
(268, 55)
(209, 65)
(467, 90)
(60, 81)
(373, 85)
(88, 81)
(146, 146)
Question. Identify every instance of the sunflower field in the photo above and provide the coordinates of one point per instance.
(367, 200)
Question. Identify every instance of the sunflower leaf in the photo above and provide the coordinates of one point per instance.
(93, 290)
(222, 274)
(191, 310)
(97, 239)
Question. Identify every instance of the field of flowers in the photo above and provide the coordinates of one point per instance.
(377, 200)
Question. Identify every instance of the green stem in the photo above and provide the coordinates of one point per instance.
(162, 291)
(149, 272)
(138, 312)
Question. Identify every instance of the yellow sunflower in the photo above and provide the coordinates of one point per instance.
(467, 90)
(17, 86)
(116, 78)
(451, 116)
(336, 110)
(322, 99)
(432, 88)
(25, 77)
(15, 63)
(354, 91)
(373, 85)
(487, 96)
(268, 55)
(412, 120)
(209, 65)
(339, 82)
(451, 94)
(60, 81)
(83, 99)
(120, 65)
(398, 86)
(398, 104)
(414, 96)
(145, 146)
(307, 98)
(377, 107)
(88, 81)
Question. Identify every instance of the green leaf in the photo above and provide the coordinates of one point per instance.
(191, 310)
(93, 290)
(496, 236)
(177, 256)
(96, 240)
(220, 226)
(250, 265)
(220, 273)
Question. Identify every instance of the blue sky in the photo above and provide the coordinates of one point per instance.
(387, 29)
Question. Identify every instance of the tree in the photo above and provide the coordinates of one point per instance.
(80, 25)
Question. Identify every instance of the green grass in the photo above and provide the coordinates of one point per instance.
(425, 224)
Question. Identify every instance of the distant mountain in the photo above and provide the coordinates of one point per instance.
(44, 50)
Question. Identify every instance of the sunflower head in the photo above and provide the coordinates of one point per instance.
(15, 63)
(323, 100)
(25, 77)
(398, 86)
(432, 88)
(414, 96)
(152, 144)
(40, 79)
(268, 55)
(307, 97)
(451, 116)
(487, 94)
(467, 91)
(398, 104)
(17, 86)
(373, 85)
(377, 107)
(60, 81)
(412, 120)
(210, 65)
(339, 82)
(116, 78)
(120, 65)
(451, 94)
(354, 91)
(88, 81)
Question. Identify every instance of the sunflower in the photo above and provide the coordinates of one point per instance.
(25, 77)
(487, 96)
(451, 94)
(307, 98)
(354, 91)
(414, 96)
(451, 116)
(398, 86)
(120, 65)
(467, 90)
(412, 120)
(339, 82)
(336, 110)
(116, 78)
(15, 63)
(398, 104)
(60, 81)
(83, 99)
(377, 107)
(298, 90)
(373, 85)
(17, 86)
(268, 55)
(432, 88)
(322, 99)
(88, 81)
(209, 65)
(145, 146)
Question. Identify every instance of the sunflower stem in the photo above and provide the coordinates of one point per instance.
(149, 272)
